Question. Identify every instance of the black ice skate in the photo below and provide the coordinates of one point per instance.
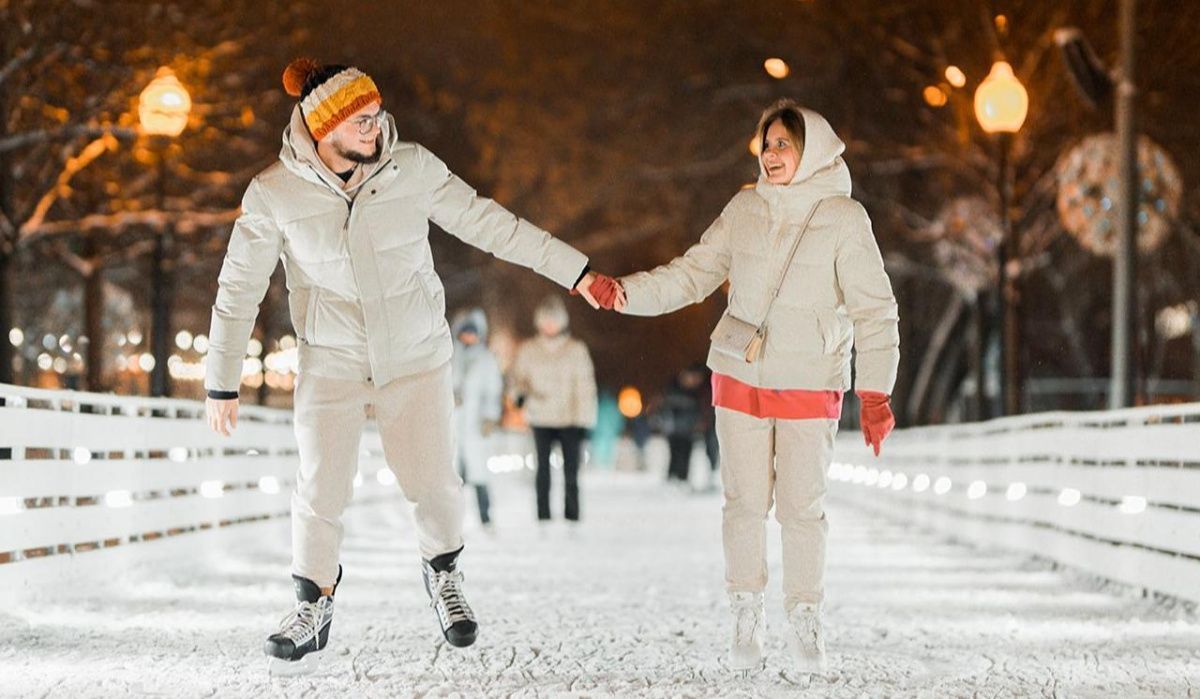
(304, 632)
(444, 585)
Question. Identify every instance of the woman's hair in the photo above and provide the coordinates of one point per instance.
(552, 309)
(788, 112)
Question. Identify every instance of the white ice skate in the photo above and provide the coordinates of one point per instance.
(806, 639)
(749, 627)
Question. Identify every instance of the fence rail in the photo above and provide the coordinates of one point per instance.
(89, 478)
(1114, 493)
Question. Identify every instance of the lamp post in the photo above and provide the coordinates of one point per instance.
(163, 109)
(1096, 84)
(1123, 385)
(1001, 105)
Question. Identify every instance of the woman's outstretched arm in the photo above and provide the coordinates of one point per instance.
(869, 301)
(687, 279)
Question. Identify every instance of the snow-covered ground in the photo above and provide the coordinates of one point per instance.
(631, 604)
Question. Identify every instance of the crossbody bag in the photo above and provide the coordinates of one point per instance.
(742, 339)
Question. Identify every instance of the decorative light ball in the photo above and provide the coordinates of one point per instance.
(1089, 185)
(968, 235)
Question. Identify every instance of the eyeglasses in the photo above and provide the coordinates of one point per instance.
(366, 124)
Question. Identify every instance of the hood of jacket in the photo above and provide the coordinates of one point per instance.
(475, 317)
(299, 153)
(822, 172)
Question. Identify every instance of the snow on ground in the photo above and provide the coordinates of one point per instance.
(631, 604)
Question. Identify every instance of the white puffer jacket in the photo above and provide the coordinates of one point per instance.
(365, 300)
(478, 397)
(836, 294)
(556, 378)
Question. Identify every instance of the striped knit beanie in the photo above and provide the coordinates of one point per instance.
(328, 94)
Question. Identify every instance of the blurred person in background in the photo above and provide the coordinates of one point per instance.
(680, 415)
(553, 380)
(479, 401)
(609, 425)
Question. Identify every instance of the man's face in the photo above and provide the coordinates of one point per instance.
(358, 138)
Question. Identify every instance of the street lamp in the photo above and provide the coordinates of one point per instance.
(164, 105)
(1001, 105)
(777, 68)
(163, 110)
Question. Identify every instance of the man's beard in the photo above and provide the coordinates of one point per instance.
(356, 157)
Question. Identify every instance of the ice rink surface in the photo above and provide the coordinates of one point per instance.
(630, 604)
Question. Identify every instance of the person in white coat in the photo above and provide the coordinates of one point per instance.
(553, 379)
(347, 207)
(479, 402)
(807, 280)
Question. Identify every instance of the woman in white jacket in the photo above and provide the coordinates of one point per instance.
(777, 411)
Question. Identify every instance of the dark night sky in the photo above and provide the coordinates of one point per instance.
(674, 88)
(622, 127)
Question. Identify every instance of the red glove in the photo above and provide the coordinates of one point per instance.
(604, 289)
(876, 418)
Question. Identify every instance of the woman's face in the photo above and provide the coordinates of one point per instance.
(548, 328)
(781, 155)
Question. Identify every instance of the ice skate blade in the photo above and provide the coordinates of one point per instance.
(278, 667)
(746, 672)
(810, 667)
(804, 674)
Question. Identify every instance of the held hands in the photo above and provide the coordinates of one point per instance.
(608, 292)
(222, 415)
(583, 288)
(877, 419)
(601, 291)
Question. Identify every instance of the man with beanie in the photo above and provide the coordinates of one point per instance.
(347, 208)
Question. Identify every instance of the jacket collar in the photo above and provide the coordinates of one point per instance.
(299, 155)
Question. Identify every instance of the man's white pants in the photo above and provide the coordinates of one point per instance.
(414, 415)
(781, 462)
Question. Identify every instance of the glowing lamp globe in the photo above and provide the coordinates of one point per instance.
(164, 105)
(1001, 102)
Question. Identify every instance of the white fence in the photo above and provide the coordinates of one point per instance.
(87, 480)
(1116, 493)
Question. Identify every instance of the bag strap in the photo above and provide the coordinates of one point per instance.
(788, 264)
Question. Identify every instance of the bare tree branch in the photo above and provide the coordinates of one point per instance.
(120, 221)
(14, 64)
(29, 138)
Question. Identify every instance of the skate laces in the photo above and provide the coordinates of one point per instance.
(746, 620)
(806, 625)
(303, 622)
(446, 591)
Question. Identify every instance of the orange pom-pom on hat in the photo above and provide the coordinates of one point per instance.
(296, 74)
(334, 100)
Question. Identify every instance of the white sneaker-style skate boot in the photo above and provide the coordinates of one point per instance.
(806, 639)
(749, 628)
